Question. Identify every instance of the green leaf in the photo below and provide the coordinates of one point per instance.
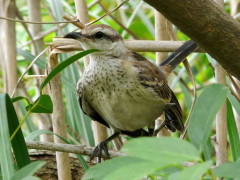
(42, 105)
(228, 170)
(204, 112)
(234, 103)
(41, 63)
(164, 150)
(145, 156)
(28, 170)
(37, 133)
(233, 133)
(133, 168)
(6, 158)
(65, 64)
(30, 178)
(18, 143)
(19, 98)
(187, 95)
(192, 173)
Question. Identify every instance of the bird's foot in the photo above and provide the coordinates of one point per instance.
(159, 128)
(97, 152)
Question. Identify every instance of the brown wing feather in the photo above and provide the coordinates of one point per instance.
(152, 77)
(87, 108)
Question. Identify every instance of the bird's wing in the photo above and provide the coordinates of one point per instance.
(152, 78)
(86, 107)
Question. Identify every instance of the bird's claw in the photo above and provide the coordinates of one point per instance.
(97, 152)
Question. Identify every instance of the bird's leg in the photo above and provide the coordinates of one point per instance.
(165, 122)
(97, 152)
(162, 125)
(150, 131)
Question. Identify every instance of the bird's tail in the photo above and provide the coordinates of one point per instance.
(178, 56)
(173, 116)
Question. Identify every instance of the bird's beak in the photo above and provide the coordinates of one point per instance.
(73, 35)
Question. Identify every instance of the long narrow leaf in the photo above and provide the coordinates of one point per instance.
(233, 133)
(6, 158)
(65, 64)
(18, 142)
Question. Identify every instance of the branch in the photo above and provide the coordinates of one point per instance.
(209, 26)
(34, 22)
(66, 45)
(68, 148)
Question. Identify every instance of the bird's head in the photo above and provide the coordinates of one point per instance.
(101, 37)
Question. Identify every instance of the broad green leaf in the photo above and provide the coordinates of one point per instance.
(19, 98)
(42, 105)
(163, 150)
(37, 133)
(233, 133)
(228, 170)
(133, 171)
(30, 178)
(6, 158)
(192, 173)
(28, 170)
(18, 143)
(65, 64)
(145, 156)
(165, 172)
(204, 112)
(120, 168)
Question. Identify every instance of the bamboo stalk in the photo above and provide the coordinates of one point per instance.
(3, 69)
(99, 131)
(221, 123)
(9, 48)
(2, 60)
(221, 118)
(161, 34)
(134, 45)
(234, 4)
(58, 120)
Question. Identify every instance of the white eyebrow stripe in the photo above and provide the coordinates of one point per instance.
(108, 32)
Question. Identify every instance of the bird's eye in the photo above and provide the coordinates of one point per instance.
(99, 35)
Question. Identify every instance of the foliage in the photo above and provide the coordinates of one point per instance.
(11, 128)
(153, 157)
(9, 122)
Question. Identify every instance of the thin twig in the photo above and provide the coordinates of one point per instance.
(68, 148)
(190, 74)
(76, 23)
(30, 65)
(120, 24)
(32, 22)
(109, 12)
(35, 76)
(43, 34)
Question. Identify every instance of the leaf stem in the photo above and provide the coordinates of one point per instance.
(23, 120)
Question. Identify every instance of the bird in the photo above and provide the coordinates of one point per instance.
(123, 90)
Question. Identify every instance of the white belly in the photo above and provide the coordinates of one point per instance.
(128, 110)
